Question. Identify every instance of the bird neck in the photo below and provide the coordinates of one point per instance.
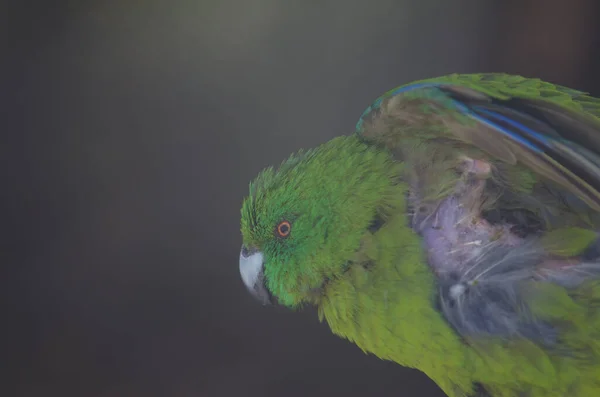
(385, 303)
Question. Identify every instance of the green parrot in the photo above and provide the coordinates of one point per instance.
(455, 232)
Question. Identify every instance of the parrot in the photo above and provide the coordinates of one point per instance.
(454, 231)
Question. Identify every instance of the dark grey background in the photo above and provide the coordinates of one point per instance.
(132, 129)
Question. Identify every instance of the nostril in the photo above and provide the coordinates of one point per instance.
(245, 251)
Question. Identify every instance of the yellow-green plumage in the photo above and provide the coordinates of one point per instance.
(388, 309)
(455, 234)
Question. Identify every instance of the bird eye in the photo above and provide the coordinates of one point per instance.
(283, 229)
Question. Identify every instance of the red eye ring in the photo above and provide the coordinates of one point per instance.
(283, 229)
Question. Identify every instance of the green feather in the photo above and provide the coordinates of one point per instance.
(328, 216)
(387, 308)
(568, 242)
(505, 86)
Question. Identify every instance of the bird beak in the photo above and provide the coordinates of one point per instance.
(251, 270)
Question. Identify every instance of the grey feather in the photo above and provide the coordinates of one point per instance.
(492, 302)
(485, 271)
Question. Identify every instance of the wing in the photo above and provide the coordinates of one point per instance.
(529, 129)
(537, 148)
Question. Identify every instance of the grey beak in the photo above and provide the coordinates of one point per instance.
(251, 270)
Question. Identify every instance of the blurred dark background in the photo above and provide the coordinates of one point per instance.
(131, 130)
